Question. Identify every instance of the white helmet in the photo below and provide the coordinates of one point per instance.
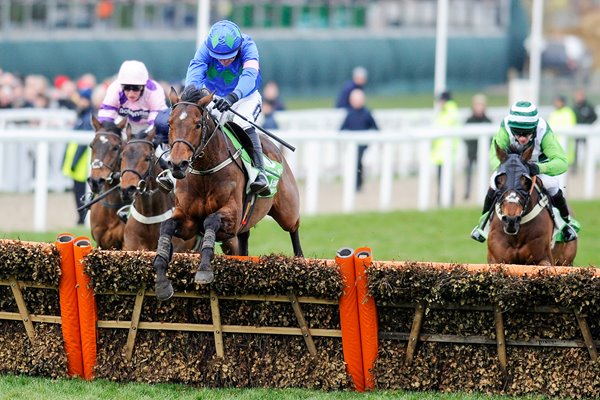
(133, 72)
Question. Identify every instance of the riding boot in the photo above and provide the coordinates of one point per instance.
(479, 232)
(569, 230)
(261, 184)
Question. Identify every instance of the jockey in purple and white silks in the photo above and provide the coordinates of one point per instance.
(227, 63)
(133, 95)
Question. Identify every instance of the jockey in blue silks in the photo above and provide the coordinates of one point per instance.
(227, 63)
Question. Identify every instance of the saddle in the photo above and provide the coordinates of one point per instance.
(241, 142)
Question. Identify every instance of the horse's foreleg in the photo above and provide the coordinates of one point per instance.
(212, 223)
(164, 253)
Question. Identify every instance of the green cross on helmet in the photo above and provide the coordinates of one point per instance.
(224, 40)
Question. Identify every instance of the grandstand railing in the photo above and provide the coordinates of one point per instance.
(321, 157)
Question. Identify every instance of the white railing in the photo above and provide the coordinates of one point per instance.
(323, 155)
(32, 143)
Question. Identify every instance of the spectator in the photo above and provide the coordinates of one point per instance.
(478, 116)
(271, 95)
(447, 117)
(359, 118)
(585, 114)
(271, 103)
(268, 113)
(76, 160)
(563, 117)
(359, 80)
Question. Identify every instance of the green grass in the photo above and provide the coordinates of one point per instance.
(26, 388)
(406, 100)
(436, 235)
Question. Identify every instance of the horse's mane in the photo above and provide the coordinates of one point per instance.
(515, 149)
(192, 94)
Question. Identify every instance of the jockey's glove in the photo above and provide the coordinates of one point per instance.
(225, 103)
(534, 169)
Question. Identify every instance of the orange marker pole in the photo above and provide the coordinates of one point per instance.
(351, 343)
(367, 313)
(69, 310)
(88, 315)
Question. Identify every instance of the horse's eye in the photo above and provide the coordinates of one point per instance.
(148, 158)
(116, 148)
(198, 125)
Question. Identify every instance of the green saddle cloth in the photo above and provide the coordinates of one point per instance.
(273, 169)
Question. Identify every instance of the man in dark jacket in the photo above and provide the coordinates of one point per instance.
(359, 118)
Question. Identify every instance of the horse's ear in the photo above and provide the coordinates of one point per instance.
(526, 156)
(500, 153)
(150, 132)
(173, 97)
(121, 124)
(95, 123)
(129, 132)
(206, 99)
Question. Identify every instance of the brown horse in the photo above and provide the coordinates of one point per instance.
(149, 205)
(521, 225)
(107, 227)
(211, 190)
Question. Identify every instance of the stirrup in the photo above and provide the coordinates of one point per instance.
(165, 183)
(260, 188)
(478, 235)
(123, 213)
(568, 233)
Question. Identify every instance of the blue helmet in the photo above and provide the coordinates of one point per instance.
(224, 40)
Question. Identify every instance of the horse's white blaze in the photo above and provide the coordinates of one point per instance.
(512, 198)
(183, 116)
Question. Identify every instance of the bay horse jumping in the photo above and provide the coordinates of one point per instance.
(107, 228)
(149, 205)
(521, 224)
(212, 200)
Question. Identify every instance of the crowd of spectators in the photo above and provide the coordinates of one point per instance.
(37, 91)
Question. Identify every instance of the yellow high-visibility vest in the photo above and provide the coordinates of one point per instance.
(81, 169)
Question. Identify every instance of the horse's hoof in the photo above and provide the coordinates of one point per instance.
(204, 277)
(164, 290)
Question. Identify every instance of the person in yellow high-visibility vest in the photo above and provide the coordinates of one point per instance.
(561, 117)
(76, 160)
(448, 116)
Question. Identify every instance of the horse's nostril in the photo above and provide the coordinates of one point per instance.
(184, 165)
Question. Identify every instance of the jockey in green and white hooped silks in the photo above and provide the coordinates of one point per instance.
(524, 127)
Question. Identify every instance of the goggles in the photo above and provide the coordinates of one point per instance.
(520, 132)
(132, 88)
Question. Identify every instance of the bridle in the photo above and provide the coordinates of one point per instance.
(114, 174)
(197, 152)
(152, 162)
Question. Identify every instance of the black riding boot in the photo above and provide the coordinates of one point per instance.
(489, 200)
(261, 184)
(560, 202)
(478, 232)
